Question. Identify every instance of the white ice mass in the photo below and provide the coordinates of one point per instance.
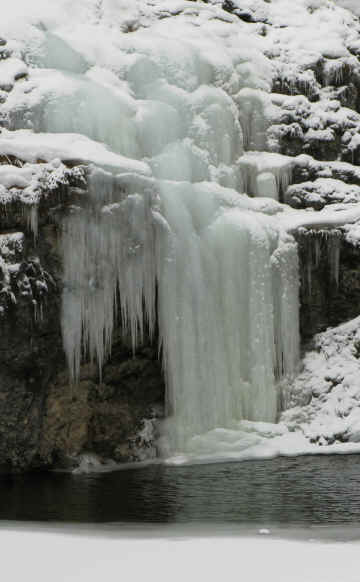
(168, 104)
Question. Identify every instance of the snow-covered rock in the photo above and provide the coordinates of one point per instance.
(324, 401)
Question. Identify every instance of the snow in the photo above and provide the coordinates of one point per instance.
(352, 5)
(337, 215)
(324, 399)
(11, 243)
(339, 170)
(11, 70)
(323, 191)
(32, 147)
(85, 555)
(11, 246)
(29, 183)
(352, 233)
(321, 413)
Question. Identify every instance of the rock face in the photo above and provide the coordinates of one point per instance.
(330, 281)
(46, 421)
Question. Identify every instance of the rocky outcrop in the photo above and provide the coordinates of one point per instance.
(330, 281)
(324, 399)
(45, 420)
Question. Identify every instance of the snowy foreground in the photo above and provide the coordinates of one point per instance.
(57, 556)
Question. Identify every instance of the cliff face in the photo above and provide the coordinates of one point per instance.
(330, 282)
(313, 108)
(44, 419)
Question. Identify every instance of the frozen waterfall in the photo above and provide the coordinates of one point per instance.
(175, 240)
(227, 293)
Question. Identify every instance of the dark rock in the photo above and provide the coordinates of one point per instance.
(245, 15)
(327, 298)
(45, 421)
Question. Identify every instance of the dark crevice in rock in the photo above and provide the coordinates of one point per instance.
(327, 298)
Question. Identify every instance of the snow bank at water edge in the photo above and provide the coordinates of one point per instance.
(85, 557)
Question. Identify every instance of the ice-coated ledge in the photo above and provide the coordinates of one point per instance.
(34, 147)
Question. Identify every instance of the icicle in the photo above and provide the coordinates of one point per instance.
(317, 251)
(33, 220)
(252, 104)
(113, 237)
(286, 301)
(334, 256)
(321, 245)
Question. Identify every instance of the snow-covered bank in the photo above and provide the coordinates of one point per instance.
(321, 413)
(39, 556)
(324, 400)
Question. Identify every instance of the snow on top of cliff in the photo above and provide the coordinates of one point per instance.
(310, 28)
(30, 182)
(34, 147)
(104, 60)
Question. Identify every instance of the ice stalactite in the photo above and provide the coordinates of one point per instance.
(286, 282)
(319, 247)
(114, 258)
(252, 105)
(33, 220)
(334, 256)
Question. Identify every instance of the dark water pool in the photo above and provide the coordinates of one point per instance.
(298, 491)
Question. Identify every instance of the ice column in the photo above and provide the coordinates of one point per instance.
(228, 304)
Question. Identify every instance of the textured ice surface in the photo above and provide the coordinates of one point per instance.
(266, 174)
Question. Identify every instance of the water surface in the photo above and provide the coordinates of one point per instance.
(298, 491)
